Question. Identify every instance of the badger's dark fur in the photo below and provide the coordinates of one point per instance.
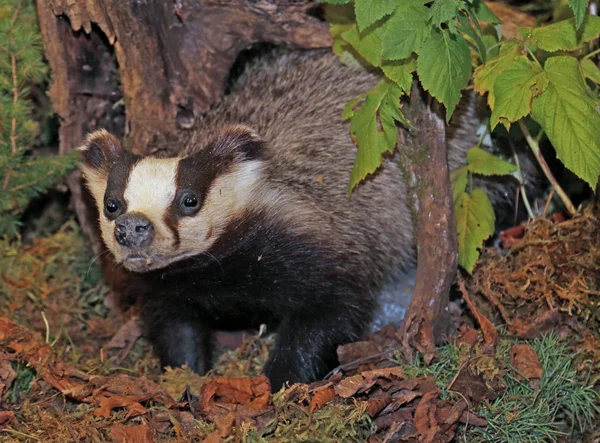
(253, 224)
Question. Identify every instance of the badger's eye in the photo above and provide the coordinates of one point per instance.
(112, 208)
(188, 204)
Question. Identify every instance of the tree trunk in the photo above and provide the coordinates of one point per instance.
(172, 60)
(424, 158)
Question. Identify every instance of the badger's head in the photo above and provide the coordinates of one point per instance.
(156, 211)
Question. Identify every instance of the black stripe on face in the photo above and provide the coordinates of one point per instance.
(197, 172)
(118, 177)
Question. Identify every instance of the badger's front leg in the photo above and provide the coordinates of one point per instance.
(180, 340)
(306, 345)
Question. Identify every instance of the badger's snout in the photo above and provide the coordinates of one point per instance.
(133, 230)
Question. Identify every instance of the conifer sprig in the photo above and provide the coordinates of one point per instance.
(22, 175)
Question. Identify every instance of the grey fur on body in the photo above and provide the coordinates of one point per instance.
(294, 101)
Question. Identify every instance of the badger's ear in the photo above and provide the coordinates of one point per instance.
(100, 150)
(241, 141)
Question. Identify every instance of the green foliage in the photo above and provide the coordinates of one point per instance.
(399, 38)
(579, 8)
(560, 404)
(22, 176)
(444, 67)
(474, 213)
(441, 40)
(563, 36)
(379, 109)
(475, 222)
(569, 116)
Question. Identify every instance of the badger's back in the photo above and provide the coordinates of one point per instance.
(295, 102)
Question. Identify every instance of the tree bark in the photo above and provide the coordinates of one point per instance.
(425, 163)
(171, 57)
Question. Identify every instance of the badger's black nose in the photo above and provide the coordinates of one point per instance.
(133, 230)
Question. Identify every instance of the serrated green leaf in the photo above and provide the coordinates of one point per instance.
(465, 27)
(380, 109)
(486, 75)
(514, 90)
(443, 11)
(369, 11)
(475, 222)
(341, 18)
(444, 67)
(459, 178)
(350, 107)
(579, 8)
(482, 162)
(570, 118)
(406, 31)
(400, 71)
(590, 70)
(484, 14)
(368, 44)
(563, 36)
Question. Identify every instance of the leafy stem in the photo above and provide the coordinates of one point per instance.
(591, 54)
(519, 173)
(535, 148)
(533, 55)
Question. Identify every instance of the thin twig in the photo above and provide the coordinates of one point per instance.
(522, 184)
(535, 148)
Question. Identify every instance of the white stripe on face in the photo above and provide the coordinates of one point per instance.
(151, 188)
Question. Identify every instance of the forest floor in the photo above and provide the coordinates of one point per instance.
(71, 370)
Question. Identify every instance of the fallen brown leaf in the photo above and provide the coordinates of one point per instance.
(525, 360)
(321, 398)
(224, 424)
(376, 405)
(6, 418)
(254, 393)
(131, 434)
(425, 421)
(7, 376)
(124, 340)
(347, 387)
(107, 404)
(468, 335)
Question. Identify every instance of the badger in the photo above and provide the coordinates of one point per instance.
(251, 223)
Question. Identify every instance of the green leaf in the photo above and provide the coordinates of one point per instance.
(341, 18)
(382, 101)
(590, 70)
(475, 222)
(400, 71)
(350, 107)
(367, 44)
(484, 14)
(486, 75)
(459, 178)
(570, 118)
(563, 36)
(406, 31)
(444, 67)
(465, 27)
(369, 11)
(514, 90)
(579, 8)
(482, 162)
(443, 11)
